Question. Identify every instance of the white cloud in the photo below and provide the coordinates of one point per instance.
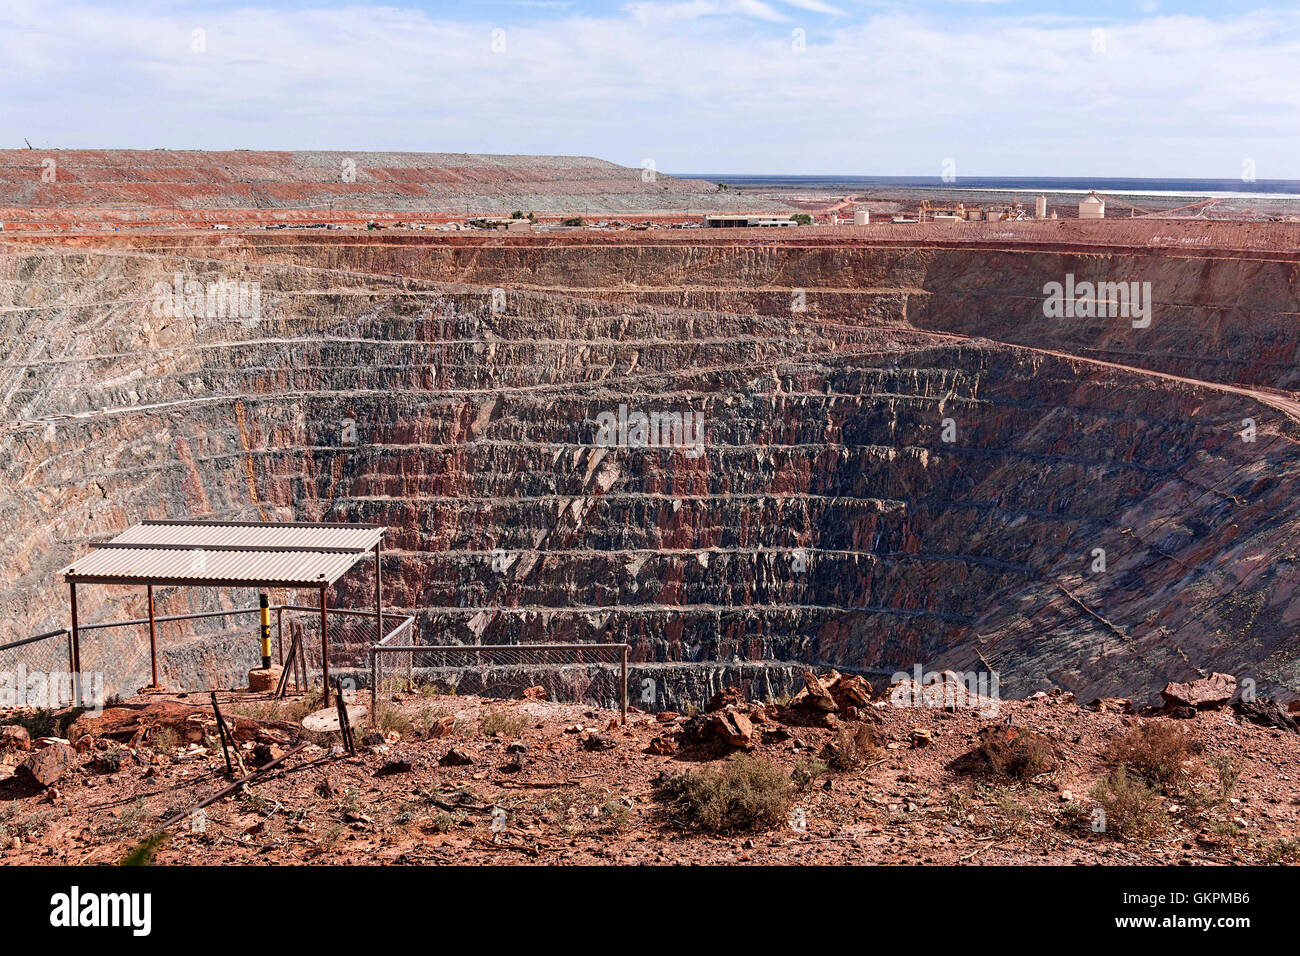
(720, 91)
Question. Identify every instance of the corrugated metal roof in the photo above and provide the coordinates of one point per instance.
(227, 553)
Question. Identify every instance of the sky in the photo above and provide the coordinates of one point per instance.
(852, 87)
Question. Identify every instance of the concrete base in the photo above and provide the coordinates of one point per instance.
(264, 678)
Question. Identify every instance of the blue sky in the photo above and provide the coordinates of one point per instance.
(1103, 88)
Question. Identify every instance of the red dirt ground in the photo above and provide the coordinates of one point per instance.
(571, 804)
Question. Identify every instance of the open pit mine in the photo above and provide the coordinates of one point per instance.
(902, 459)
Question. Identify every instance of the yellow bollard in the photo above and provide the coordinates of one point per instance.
(266, 630)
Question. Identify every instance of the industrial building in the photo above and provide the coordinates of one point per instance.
(730, 221)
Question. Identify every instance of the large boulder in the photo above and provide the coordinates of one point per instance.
(47, 765)
(1205, 693)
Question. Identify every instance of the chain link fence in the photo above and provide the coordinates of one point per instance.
(37, 670)
(117, 653)
(592, 674)
(351, 636)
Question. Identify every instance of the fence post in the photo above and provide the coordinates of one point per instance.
(624, 685)
(374, 678)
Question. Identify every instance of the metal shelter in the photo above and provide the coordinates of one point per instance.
(198, 553)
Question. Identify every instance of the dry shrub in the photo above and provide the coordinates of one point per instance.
(1133, 810)
(1010, 752)
(1161, 753)
(502, 723)
(748, 794)
(851, 748)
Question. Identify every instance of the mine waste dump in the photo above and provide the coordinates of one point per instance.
(738, 456)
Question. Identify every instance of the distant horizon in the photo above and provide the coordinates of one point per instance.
(1132, 185)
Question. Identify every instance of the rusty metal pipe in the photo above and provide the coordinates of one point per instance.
(153, 637)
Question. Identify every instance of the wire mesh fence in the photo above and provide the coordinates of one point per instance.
(351, 635)
(592, 674)
(117, 656)
(36, 671)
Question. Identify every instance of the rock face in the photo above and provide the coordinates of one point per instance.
(868, 494)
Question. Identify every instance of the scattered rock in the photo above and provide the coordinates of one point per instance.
(394, 767)
(1112, 705)
(15, 737)
(442, 727)
(922, 737)
(1205, 693)
(264, 753)
(46, 766)
(663, 746)
(816, 694)
(456, 758)
(1266, 713)
(727, 697)
(535, 693)
(110, 761)
(598, 742)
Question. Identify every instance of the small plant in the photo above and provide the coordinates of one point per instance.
(142, 855)
(1012, 752)
(1211, 793)
(802, 218)
(1159, 752)
(1282, 851)
(806, 771)
(615, 814)
(748, 794)
(1132, 809)
(164, 741)
(129, 820)
(393, 720)
(575, 221)
(445, 822)
(851, 749)
(501, 723)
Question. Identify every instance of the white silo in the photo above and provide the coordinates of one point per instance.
(1092, 206)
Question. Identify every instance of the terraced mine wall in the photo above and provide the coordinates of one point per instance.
(1217, 316)
(866, 496)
